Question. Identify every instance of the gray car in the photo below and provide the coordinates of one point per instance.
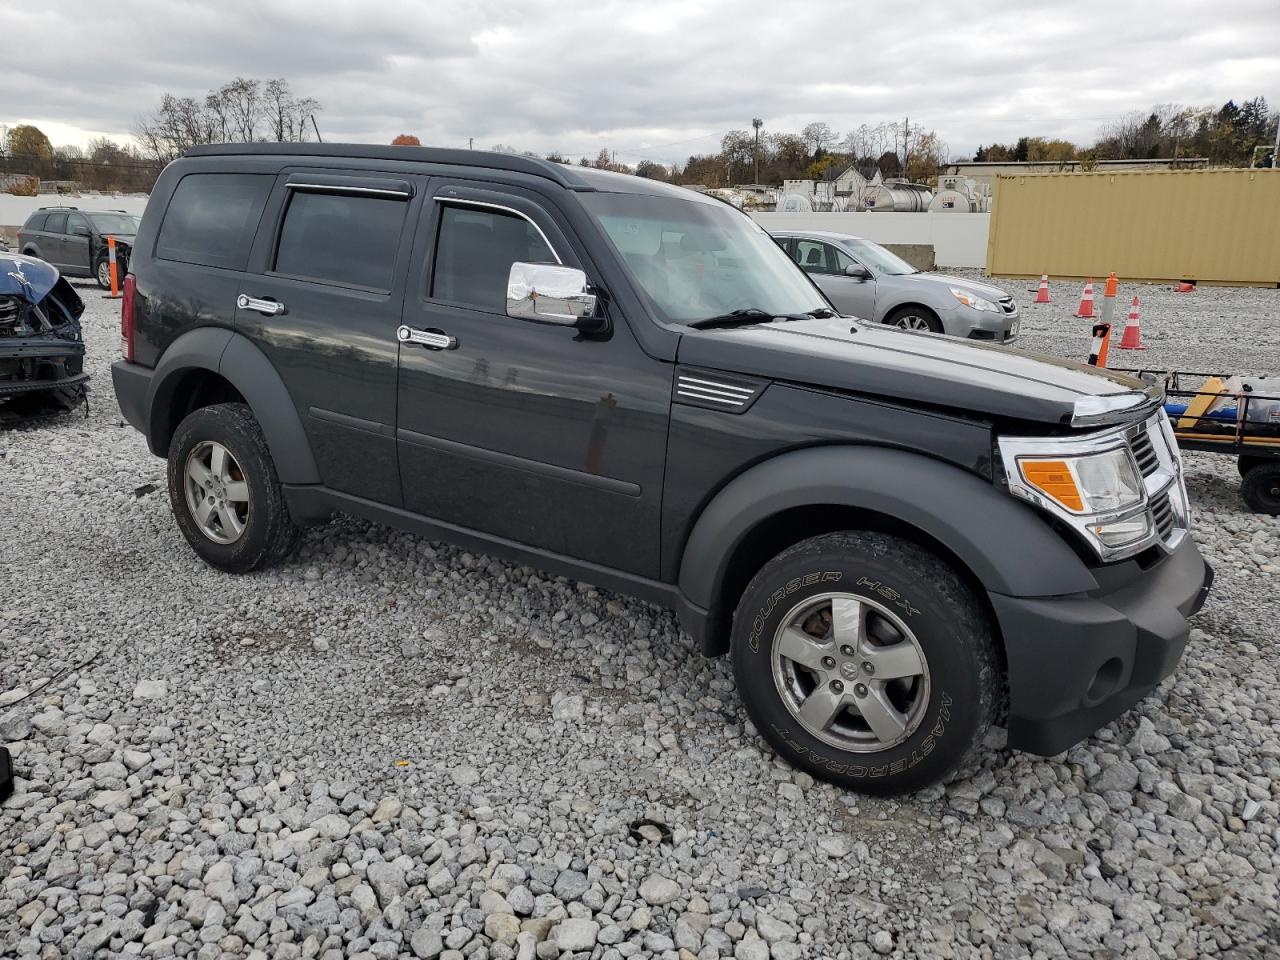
(863, 279)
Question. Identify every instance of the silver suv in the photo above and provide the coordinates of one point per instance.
(863, 279)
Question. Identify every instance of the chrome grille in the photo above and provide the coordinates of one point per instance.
(1145, 452)
(1006, 304)
(1162, 514)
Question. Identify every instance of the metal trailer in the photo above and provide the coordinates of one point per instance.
(1254, 441)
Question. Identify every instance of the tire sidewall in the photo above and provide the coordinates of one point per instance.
(217, 424)
(957, 710)
(97, 273)
(1256, 487)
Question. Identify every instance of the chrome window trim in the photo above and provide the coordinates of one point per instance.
(336, 188)
(498, 206)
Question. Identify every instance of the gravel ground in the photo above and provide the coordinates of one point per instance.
(390, 747)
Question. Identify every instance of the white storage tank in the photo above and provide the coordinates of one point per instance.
(897, 196)
(952, 201)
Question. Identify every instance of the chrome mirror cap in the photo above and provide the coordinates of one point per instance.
(548, 293)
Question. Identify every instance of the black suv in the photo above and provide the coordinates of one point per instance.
(75, 240)
(898, 537)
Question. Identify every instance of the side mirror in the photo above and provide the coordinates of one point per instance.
(550, 293)
(858, 272)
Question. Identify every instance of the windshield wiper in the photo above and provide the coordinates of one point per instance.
(822, 313)
(743, 318)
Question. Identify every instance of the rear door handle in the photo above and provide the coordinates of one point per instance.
(270, 308)
(433, 339)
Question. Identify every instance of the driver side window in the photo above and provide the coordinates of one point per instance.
(474, 252)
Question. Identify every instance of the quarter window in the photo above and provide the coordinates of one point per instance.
(341, 238)
(57, 223)
(212, 218)
(36, 221)
(474, 252)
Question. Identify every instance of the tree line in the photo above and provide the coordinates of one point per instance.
(243, 110)
(246, 110)
(1233, 135)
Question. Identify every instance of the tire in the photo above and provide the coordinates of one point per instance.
(1261, 488)
(102, 273)
(1245, 464)
(249, 525)
(907, 596)
(915, 318)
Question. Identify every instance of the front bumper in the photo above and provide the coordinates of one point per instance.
(982, 324)
(1076, 663)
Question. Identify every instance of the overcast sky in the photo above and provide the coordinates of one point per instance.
(647, 78)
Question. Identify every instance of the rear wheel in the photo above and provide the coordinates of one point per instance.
(1261, 487)
(915, 318)
(224, 491)
(867, 661)
(1245, 464)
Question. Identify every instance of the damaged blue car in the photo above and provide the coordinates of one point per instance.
(41, 346)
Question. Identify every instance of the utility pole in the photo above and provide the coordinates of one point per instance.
(1275, 152)
(906, 133)
(757, 123)
(471, 143)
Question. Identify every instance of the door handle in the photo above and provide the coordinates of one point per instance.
(432, 339)
(270, 308)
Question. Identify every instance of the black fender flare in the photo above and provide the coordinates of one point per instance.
(241, 363)
(1003, 543)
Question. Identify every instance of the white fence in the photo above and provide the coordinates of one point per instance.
(958, 239)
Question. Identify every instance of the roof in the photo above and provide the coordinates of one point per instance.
(815, 234)
(572, 177)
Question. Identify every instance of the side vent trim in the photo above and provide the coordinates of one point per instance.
(712, 390)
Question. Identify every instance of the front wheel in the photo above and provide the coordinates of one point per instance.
(915, 318)
(224, 491)
(866, 660)
(102, 273)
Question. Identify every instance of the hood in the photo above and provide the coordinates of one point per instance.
(918, 368)
(981, 289)
(26, 277)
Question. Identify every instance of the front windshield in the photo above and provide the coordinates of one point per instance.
(114, 222)
(696, 259)
(879, 259)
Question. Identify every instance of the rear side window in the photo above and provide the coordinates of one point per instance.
(57, 223)
(36, 221)
(212, 218)
(474, 254)
(341, 238)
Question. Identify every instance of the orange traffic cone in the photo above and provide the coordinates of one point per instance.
(1042, 294)
(1186, 286)
(1101, 341)
(1086, 300)
(1132, 339)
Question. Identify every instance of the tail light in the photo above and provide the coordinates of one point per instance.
(126, 318)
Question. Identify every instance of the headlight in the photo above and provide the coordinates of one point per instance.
(970, 299)
(1092, 484)
(1095, 483)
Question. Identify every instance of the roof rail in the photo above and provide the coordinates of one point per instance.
(518, 163)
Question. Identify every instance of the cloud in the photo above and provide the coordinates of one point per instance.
(656, 79)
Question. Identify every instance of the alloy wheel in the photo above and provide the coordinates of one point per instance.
(851, 672)
(912, 322)
(216, 491)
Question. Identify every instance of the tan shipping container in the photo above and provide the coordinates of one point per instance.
(1211, 226)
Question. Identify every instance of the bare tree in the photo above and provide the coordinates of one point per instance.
(241, 111)
(818, 135)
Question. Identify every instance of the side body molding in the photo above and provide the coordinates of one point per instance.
(247, 368)
(1006, 546)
